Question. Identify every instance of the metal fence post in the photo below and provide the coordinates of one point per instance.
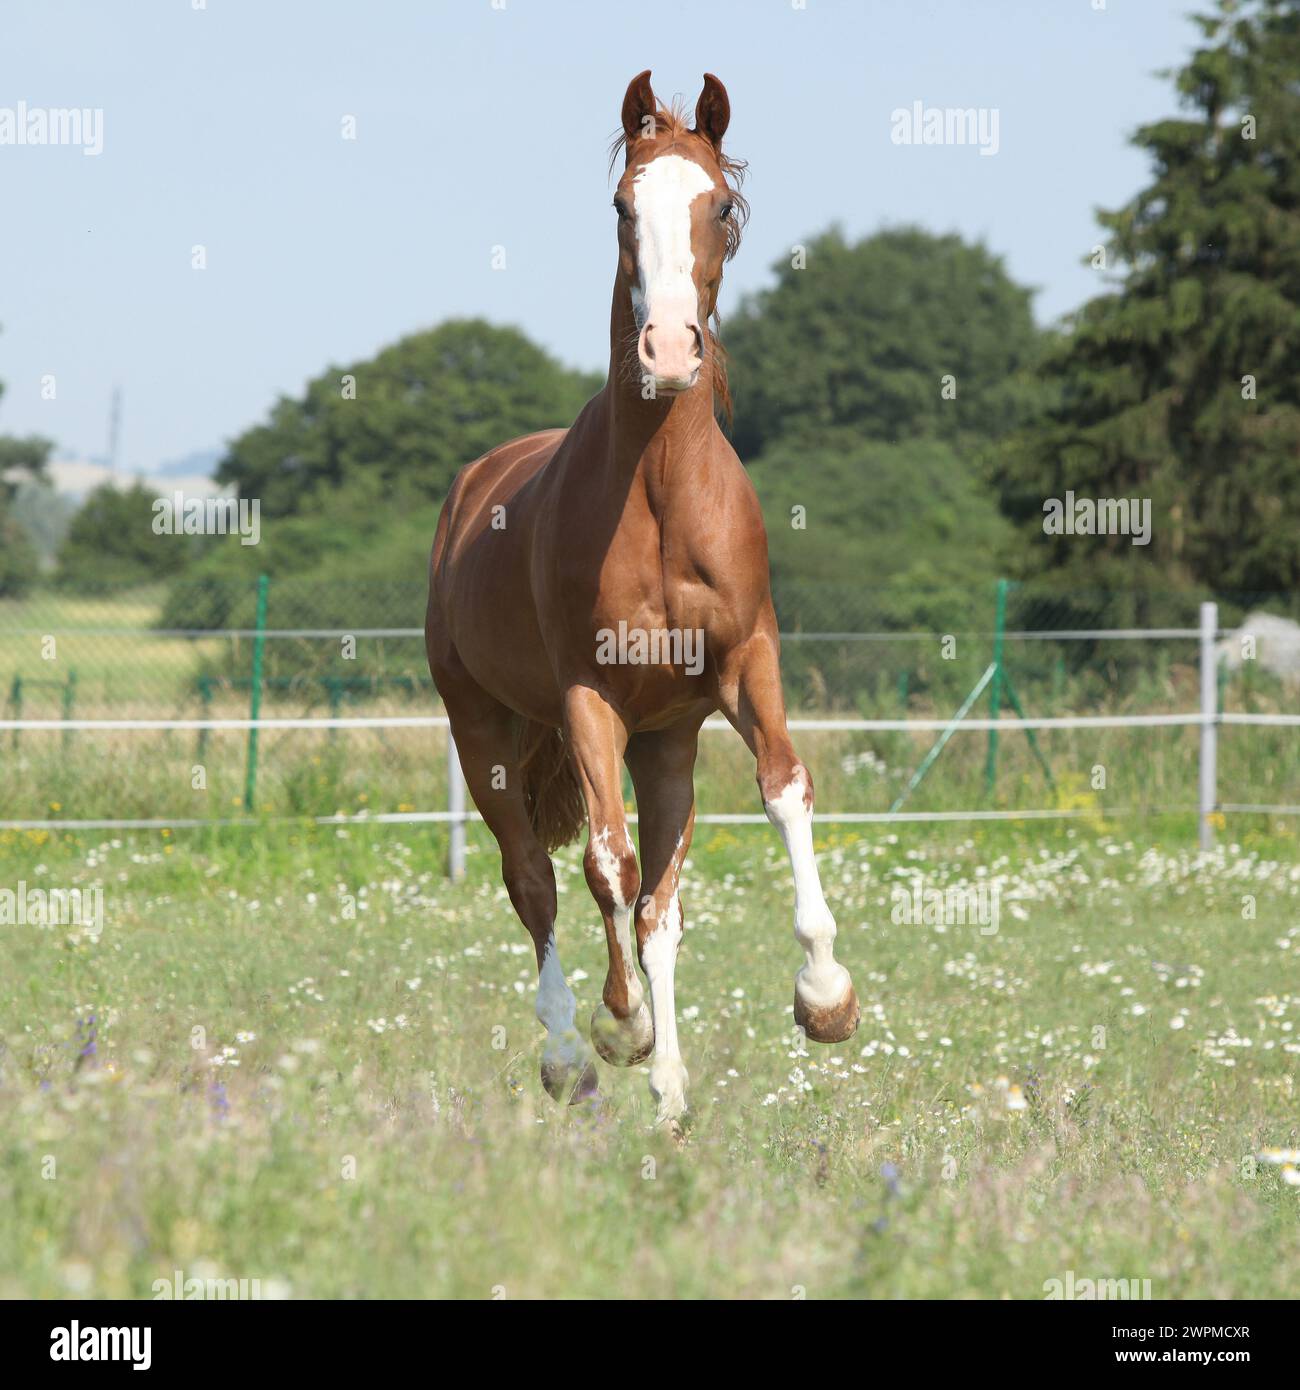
(995, 689)
(1209, 726)
(255, 702)
(456, 810)
(205, 695)
(69, 700)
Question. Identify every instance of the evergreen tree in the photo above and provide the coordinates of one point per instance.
(1181, 384)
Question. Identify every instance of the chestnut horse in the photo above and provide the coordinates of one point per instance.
(596, 592)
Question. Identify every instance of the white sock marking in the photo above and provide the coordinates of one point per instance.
(555, 1010)
(659, 960)
(609, 866)
(822, 981)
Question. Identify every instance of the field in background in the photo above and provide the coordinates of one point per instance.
(114, 668)
(298, 1055)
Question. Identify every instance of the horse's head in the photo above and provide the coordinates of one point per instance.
(679, 219)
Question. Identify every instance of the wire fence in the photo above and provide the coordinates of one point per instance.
(343, 703)
(845, 647)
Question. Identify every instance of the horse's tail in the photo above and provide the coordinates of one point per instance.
(551, 792)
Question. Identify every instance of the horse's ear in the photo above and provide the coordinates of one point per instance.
(712, 111)
(638, 103)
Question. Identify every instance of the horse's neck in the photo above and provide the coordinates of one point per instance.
(651, 436)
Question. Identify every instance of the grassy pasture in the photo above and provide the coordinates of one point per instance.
(313, 1063)
(308, 772)
(296, 1055)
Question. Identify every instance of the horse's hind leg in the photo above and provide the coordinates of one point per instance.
(485, 739)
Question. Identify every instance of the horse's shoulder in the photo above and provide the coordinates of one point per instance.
(733, 476)
(524, 454)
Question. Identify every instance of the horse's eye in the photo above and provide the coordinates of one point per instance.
(725, 211)
(622, 212)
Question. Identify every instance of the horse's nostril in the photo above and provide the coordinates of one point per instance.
(699, 339)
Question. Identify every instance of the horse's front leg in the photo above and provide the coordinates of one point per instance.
(621, 1026)
(825, 1006)
(662, 766)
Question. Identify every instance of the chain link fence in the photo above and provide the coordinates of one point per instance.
(186, 652)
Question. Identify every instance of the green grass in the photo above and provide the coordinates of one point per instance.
(332, 1155)
(149, 775)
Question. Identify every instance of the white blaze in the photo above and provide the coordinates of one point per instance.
(663, 192)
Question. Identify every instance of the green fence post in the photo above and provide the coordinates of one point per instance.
(949, 729)
(995, 687)
(255, 701)
(16, 700)
(205, 696)
(335, 688)
(69, 698)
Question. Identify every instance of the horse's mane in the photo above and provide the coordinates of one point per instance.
(672, 123)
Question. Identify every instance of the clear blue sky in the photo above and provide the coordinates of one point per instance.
(479, 127)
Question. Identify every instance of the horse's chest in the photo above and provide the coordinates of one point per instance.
(649, 579)
(644, 622)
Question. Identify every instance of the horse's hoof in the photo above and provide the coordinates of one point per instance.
(828, 1024)
(622, 1042)
(668, 1082)
(569, 1083)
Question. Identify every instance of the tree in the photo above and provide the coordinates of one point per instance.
(359, 557)
(864, 535)
(415, 413)
(22, 459)
(111, 543)
(19, 562)
(866, 335)
(870, 387)
(45, 515)
(23, 462)
(1179, 385)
